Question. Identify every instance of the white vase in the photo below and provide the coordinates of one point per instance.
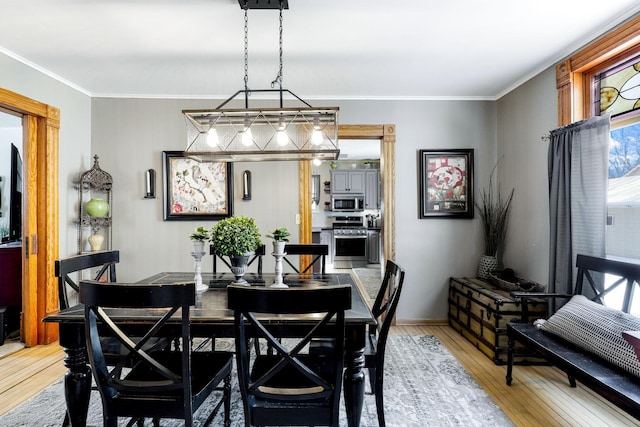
(486, 265)
(95, 241)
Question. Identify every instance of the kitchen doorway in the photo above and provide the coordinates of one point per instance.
(386, 136)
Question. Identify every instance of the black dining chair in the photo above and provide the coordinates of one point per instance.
(103, 262)
(317, 251)
(257, 256)
(290, 387)
(383, 309)
(101, 267)
(158, 384)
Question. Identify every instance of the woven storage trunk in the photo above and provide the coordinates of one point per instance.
(480, 311)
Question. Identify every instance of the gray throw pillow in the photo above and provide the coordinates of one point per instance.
(597, 329)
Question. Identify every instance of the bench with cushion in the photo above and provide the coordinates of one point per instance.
(584, 337)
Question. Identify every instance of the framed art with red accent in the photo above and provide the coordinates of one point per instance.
(445, 183)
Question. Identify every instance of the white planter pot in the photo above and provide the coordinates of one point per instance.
(278, 247)
(198, 247)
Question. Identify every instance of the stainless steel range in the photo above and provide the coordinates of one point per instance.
(349, 242)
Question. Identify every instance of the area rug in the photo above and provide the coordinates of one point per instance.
(424, 386)
(371, 278)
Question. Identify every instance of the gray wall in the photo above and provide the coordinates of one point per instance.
(129, 135)
(75, 133)
(524, 116)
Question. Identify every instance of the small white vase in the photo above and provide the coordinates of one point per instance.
(95, 241)
(486, 265)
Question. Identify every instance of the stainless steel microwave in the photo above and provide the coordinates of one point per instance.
(347, 203)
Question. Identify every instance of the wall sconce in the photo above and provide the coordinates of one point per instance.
(246, 185)
(150, 184)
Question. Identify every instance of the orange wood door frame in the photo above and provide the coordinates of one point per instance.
(40, 225)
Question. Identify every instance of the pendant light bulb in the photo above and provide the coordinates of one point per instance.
(247, 137)
(282, 138)
(212, 137)
(281, 135)
(317, 162)
(316, 137)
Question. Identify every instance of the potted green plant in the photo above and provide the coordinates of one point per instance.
(280, 237)
(494, 213)
(199, 236)
(236, 237)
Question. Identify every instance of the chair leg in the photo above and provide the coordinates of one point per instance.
(227, 401)
(372, 379)
(379, 402)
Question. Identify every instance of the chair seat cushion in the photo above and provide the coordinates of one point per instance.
(207, 369)
(290, 381)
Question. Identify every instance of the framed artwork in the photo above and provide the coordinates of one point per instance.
(196, 190)
(445, 180)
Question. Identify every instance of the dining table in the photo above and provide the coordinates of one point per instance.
(210, 317)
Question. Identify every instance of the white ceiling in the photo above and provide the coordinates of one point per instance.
(333, 49)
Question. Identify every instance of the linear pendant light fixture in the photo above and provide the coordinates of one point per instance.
(262, 134)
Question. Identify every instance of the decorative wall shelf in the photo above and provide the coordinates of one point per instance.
(94, 230)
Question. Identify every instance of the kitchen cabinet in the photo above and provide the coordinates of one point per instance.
(372, 189)
(347, 181)
(373, 240)
(326, 238)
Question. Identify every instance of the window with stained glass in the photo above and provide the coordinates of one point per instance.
(619, 89)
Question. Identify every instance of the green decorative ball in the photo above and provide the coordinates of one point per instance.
(97, 208)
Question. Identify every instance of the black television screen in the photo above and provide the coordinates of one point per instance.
(15, 195)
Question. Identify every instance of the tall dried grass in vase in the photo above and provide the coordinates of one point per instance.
(494, 212)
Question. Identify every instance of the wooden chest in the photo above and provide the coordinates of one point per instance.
(480, 311)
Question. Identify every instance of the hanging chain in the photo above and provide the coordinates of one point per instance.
(246, 47)
(278, 79)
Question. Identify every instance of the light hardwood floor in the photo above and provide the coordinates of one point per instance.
(539, 396)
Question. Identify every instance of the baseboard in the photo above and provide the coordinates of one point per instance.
(422, 322)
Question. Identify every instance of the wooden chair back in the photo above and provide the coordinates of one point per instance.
(290, 387)
(317, 251)
(257, 256)
(104, 262)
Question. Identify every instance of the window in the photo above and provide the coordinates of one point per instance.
(605, 77)
(619, 89)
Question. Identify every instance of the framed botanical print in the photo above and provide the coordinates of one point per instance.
(196, 190)
(445, 180)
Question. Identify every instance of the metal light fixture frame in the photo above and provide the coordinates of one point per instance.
(217, 134)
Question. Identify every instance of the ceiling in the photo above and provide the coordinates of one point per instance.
(333, 49)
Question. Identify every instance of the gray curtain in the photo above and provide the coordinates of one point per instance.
(578, 172)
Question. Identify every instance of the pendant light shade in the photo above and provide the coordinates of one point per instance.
(272, 134)
(254, 134)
